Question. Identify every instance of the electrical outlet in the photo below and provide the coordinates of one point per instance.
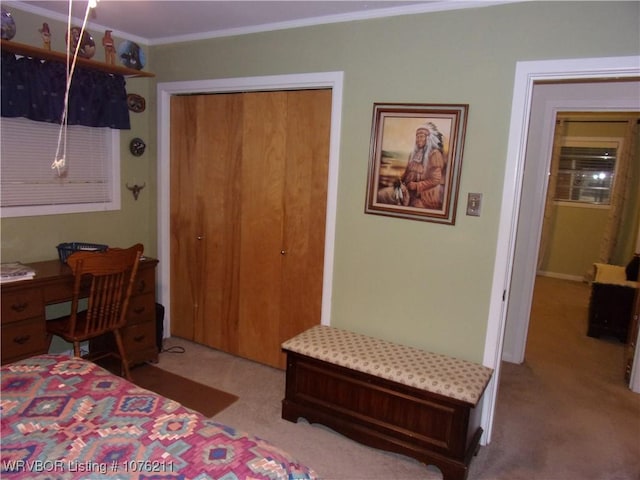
(474, 202)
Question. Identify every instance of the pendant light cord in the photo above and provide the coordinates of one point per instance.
(60, 162)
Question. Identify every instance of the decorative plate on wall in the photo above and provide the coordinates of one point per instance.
(137, 147)
(136, 103)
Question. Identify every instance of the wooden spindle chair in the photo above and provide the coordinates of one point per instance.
(108, 277)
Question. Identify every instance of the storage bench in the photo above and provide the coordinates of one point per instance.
(388, 396)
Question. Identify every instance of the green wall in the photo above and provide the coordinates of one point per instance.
(418, 283)
(585, 226)
(574, 245)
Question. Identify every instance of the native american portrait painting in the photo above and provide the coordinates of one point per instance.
(415, 161)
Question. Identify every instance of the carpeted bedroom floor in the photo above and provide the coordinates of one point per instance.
(564, 413)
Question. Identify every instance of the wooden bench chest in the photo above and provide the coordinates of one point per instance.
(388, 396)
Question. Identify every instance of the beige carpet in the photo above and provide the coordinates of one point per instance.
(563, 414)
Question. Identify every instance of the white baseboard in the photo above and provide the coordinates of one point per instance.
(562, 276)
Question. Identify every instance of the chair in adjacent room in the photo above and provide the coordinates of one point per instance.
(107, 279)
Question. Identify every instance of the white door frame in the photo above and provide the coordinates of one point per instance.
(332, 80)
(548, 100)
(527, 73)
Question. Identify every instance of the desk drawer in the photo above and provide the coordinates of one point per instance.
(142, 308)
(23, 339)
(145, 282)
(63, 291)
(140, 343)
(22, 304)
(139, 337)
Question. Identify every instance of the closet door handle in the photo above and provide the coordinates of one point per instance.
(199, 237)
(283, 252)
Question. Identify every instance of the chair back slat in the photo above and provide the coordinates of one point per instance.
(111, 275)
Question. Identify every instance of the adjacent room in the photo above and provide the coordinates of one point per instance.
(338, 240)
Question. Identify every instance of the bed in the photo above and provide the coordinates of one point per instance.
(65, 418)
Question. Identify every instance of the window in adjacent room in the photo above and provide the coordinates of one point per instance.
(90, 181)
(586, 171)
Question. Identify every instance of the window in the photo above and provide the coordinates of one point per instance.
(586, 172)
(90, 181)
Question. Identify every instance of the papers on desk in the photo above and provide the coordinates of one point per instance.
(13, 272)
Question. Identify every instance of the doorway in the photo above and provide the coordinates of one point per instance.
(587, 218)
(547, 101)
(503, 284)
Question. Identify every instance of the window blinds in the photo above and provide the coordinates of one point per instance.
(27, 179)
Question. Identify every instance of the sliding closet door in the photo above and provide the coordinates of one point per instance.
(305, 202)
(248, 204)
(261, 257)
(285, 162)
(206, 150)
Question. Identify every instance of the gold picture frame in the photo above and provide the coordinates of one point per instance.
(415, 161)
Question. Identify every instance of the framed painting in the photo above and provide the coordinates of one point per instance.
(415, 161)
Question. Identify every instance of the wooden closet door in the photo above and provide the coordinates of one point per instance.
(248, 206)
(285, 165)
(305, 207)
(206, 151)
(263, 180)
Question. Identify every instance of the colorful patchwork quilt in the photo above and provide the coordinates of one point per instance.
(67, 418)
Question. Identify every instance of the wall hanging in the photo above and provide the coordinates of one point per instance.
(137, 146)
(135, 189)
(415, 161)
(136, 103)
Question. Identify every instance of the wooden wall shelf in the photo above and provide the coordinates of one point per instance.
(41, 53)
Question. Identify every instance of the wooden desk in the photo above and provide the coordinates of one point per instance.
(23, 329)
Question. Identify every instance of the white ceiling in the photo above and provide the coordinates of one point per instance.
(154, 22)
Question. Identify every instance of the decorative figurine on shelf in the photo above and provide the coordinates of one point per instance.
(8, 25)
(46, 36)
(87, 47)
(109, 48)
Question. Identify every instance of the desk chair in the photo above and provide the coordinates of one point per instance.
(108, 277)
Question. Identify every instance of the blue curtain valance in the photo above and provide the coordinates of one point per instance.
(34, 89)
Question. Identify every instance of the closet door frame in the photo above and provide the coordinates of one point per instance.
(332, 80)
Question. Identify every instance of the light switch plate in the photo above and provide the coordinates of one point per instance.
(474, 202)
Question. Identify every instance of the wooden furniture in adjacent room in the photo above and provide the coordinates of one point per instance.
(248, 206)
(109, 279)
(613, 292)
(23, 327)
(630, 348)
(388, 396)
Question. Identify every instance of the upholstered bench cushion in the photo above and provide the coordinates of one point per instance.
(612, 275)
(435, 373)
